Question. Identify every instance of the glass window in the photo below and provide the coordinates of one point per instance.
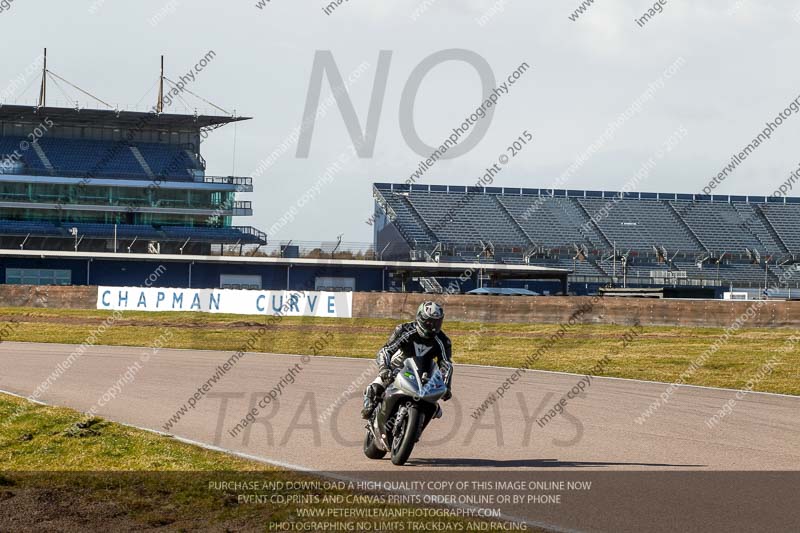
(37, 276)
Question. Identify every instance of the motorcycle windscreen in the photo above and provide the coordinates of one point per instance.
(410, 380)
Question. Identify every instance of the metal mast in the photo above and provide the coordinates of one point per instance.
(43, 89)
(160, 103)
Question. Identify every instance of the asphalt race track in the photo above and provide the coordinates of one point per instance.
(596, 434)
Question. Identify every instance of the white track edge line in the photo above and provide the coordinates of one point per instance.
(290, 466)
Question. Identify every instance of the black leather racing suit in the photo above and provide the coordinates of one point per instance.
(406, 342)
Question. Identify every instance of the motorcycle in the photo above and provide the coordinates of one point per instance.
(408, 405)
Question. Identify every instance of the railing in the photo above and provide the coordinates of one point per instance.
(241, 208)
(83, 174)
(236, 208)
(321, 250)
(92, 230)
(249, 230)
(431, 285)
(636, 281)
(229, 180)
(378, 196)
(90, 105)
(195, 154)
(564, 193)
(647, 256)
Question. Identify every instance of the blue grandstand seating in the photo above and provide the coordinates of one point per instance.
(659, 232)
(12, 145)
(534, 216)
(755, 221)
(23, 227)
(713, 223)
(786, 221)
(166, 160)
(580, 267)
(640, 225)
(79, 157)
(214, 235)
(123, 230)
(409, 221)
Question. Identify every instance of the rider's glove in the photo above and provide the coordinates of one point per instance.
(386, 375)
(447, 395)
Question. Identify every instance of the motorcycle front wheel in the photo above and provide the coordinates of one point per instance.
(404, 439)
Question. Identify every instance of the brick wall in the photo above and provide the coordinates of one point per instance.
(502, 309)
(48, 296)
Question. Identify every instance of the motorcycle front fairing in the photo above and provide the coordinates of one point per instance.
(409, 386)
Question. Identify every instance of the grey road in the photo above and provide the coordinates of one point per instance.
(314, 423)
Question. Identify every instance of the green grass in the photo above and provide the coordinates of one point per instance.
(113, 477)
(36, 438)
(658, 353)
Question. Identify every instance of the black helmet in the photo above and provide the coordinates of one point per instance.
(430, 316)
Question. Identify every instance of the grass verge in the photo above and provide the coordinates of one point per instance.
(657, 353)
(114, 478)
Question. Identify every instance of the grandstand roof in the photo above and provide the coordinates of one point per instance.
(114, 118)
(576, 193)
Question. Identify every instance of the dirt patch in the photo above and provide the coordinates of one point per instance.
(44, 509)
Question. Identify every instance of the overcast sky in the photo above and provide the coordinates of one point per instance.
(738, 70)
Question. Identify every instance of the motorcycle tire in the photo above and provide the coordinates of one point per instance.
(403, 444)
(370, 449)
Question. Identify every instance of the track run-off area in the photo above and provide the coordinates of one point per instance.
(304, 414)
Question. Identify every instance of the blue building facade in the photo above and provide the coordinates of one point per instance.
(205, 272)
(107, 181)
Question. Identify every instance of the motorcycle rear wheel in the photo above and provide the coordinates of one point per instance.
(370, 449)
(403, 443)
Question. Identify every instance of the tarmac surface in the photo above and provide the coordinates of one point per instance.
(314, 425)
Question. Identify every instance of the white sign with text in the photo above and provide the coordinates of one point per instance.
(238, 302)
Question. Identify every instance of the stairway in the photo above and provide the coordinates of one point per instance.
(771, 229)
(196, 158)
(513, 221)
(431, 286)
(588, 218)
(419, 220)
(42, 156)
(140, 158)
(686, 229)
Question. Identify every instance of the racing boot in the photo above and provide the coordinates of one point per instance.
(372, 397)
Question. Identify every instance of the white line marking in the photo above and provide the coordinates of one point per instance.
(290, 466)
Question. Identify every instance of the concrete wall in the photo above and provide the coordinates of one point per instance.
(503, 309)
(558, 309)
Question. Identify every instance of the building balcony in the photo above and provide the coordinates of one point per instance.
(237, 208)
(212, 183)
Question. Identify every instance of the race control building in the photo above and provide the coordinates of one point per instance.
(115, 181)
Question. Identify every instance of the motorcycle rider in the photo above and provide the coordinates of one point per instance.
(424, 339)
